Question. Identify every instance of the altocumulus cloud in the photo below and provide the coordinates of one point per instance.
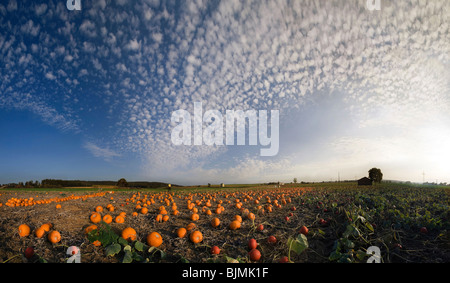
(117, 70)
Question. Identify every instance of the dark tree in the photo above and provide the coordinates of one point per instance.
(122, 183)
(375, 175)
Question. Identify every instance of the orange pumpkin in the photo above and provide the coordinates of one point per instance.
(181, 232)
(24, 230)
(154, 239)
(196, 237)
(39, 232)
(129, 233)
(54, 237)
(234, 225)
(195, 217)
(119, 219)
(107, 218)
(215, 222)
(95, 217)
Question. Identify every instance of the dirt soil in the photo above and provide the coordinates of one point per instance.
(73, 217)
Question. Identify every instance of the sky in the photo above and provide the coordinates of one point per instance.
(89, 94)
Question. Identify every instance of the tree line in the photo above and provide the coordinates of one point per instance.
(27, 184)
(58, 183)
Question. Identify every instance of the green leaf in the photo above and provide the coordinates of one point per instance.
(127, 248)
(93, 235)
(113, 249)
(184, 260)
(231, 260)
(139, 246)
(128, 257)
(351, 230)
(335, 255)
(104, 234)
(137, 257)
(302, 240)
(347, 243)
(122, 241)
(298, 245)
(153, 250)
(162, 254)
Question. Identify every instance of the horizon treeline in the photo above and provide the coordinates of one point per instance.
(58, 183)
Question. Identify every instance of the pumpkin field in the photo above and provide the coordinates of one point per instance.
(321, 223)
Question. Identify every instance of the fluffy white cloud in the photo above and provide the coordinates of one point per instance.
(50, 76)
(157, 37)
(88, 28)
(133, 45)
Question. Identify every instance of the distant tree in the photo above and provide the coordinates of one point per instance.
(295, 180)
(375, 175)
(122, 183)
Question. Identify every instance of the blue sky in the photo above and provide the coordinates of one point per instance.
(89, 94)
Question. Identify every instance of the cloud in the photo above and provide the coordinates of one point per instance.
(133, 45)
(68, 58)
(40, 9)
(88, 28)
(278, 55)
(30, 28)
(148, 14)
(12, 5)
(89, 47)
(50, 76)
(157, 37)
(48, 114)
(390, 66)
(104, 153)
(122, 2)
(101, 4)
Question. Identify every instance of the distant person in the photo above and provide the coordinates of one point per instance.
(169, 187)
